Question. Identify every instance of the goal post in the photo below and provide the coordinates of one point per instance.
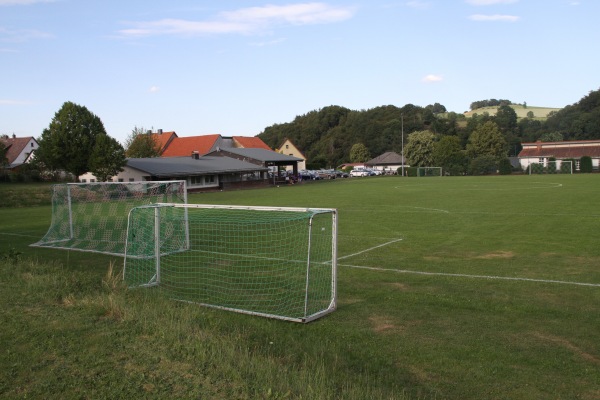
(276, 262)
(551, 167)
(93, 216)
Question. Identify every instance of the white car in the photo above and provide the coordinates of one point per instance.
(359, 172)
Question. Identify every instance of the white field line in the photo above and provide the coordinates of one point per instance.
(504, 278)
(369, 249)
(18, 234)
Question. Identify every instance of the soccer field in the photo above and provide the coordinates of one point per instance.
(452, 287)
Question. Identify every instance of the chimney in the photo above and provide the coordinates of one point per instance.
(14, 136)
(195, 155)
(538, 144)
(159, 131)
(149, 132)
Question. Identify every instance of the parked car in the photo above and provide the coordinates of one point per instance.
(341, 174)
(359, 172)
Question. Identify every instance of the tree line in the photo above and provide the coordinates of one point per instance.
(482, 142)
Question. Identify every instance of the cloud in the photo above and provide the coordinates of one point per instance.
(8, 102)
(243, 21)
(431, 78)
(495, 17)
(154, 89)
(489, 2)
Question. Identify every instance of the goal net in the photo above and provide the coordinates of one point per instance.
(551, 167)
(93, 216)
(272, 262)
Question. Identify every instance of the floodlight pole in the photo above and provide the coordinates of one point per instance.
(402, 130)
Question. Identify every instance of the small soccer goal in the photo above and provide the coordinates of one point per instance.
(429, 171)
(268, 261)
(551, 167)
(93, 216)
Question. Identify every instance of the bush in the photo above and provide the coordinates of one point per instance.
(585, 164)
(505, 167)
(483, 165)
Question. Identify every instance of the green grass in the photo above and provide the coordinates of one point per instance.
(540, 113)
(484, 296)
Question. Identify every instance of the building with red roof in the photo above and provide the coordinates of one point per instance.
(541, 152)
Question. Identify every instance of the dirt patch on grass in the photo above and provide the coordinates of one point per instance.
(399, 286)
(496, 255)
(382, 324)
(568, 345)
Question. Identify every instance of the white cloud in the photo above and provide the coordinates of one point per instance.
(8, 102)
(489, 2)
(154, 89)
(431, 78)
(495, 17)
(244, 21)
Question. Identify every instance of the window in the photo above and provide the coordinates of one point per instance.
(209, 179)
(120, 179)
(196, 180)
(131, 180)
(92, 180)
(83, 181)
(287, 146)
(541, 160)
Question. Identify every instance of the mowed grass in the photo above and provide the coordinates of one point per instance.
(449, 288)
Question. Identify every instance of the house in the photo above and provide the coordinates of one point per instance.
(388, 162)
(201, 173)
(19, 150)
(290, 149)
(541, 152)
(206, 162)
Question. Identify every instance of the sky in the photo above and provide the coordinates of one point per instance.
(237, 67)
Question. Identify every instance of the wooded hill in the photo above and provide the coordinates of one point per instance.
(326, 136)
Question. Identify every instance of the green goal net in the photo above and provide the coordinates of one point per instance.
(93, 216)
(268, 261)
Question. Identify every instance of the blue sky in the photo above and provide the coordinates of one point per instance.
(236, 67)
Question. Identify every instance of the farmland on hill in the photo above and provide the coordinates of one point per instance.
(540, 113)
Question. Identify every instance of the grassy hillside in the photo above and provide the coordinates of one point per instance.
(538, 112)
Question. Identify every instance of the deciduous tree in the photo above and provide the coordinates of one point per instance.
(69, 140)
(359, 153)
(140, 144)
(487, 139)
(419, 149)
(107, 158)
(448, 154)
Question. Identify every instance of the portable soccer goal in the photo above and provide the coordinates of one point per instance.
(429, 171)
(267, 261)
(93, 216)
(551, 167)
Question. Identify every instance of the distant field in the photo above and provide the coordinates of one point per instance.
(538, 112)
(449, 288)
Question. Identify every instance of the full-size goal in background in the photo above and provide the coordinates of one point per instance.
(268, 261)
(551, 167)
(93, 216)
(429, 171)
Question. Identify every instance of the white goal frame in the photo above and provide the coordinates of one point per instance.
(206, 274)
(106, 206)
(558, 166)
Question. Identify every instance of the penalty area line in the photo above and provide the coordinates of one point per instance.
(491, 277)
(18, 234)
(369, 249)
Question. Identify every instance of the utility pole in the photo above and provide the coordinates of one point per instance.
(402, 130)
